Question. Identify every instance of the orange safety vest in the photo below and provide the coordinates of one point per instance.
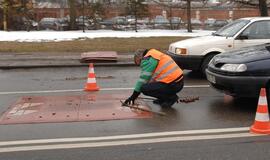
(167, 70)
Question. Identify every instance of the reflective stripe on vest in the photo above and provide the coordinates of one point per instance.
(167, 70)
(144, 73)
(142, 80)
(159, 70)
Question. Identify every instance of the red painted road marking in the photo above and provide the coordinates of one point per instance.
(89, 107)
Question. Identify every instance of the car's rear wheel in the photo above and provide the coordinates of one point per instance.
(206, 61)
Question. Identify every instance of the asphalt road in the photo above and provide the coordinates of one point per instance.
(214, 127)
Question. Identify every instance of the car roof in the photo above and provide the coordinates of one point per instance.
(256, 18)
(48, 19)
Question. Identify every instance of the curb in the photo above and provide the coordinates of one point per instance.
(11, 61)
(124, 64)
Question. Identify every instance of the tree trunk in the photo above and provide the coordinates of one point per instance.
(5, 21)
(189, 28)
(5, 15)
(136, 23)
(72, 13)
(263, 8)
(136, 17)
(170, 17)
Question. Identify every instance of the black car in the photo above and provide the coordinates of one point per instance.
(48, 23)
(242, 72)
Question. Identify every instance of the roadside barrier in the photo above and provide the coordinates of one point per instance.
(91, 84)
(261, 124)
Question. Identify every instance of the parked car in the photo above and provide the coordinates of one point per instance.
(242, 72)
(209, 22)
(161, 22)
(48, 23)
(106, 24)
(84, 21)
(195, 53)
(62, 24)
(144, 23)
(215, 23)
(121, 27)
(175, 22)
(130, 19)
(220, 23)
(119, 23)
(196, 22)
(119, 20)
(145, 20)
(141, 24)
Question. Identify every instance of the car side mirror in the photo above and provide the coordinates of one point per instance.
(242, 37)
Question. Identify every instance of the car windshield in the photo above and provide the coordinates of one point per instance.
(210, 21)
(231, 29)
(48, 20)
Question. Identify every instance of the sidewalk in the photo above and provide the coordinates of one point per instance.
(43, 60)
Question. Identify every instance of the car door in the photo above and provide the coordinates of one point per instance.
(256, 33)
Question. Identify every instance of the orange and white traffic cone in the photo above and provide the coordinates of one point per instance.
(261, 124)
(91, 84)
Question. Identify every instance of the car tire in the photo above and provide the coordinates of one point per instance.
(205, 62)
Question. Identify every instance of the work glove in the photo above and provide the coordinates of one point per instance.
(132, 98)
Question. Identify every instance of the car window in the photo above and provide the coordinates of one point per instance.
(258, 30)
(232, 28)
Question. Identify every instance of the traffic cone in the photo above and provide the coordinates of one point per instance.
(261, 124)
(91, 84)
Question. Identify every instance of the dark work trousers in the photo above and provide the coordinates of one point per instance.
(163, 91)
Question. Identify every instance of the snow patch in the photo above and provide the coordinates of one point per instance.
(56, 36)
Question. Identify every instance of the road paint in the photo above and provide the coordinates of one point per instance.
(23, 109)
(80, 90)
(132, 136)
(37, 92)
(197, 86)
(125, 142)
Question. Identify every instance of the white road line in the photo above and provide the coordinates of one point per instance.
(36, 92)
(131, 136)
(124, 142)
(197, 86)
(80, 90)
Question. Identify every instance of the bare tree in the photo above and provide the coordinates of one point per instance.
(262, 4)
(189, 26)
(138, 8)
(73, 14)
(168, 5)
(96, 11)
(182, 4)
(263, 8)
(5, 5)
(14, 10)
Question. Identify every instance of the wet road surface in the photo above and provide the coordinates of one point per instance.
(212, 111)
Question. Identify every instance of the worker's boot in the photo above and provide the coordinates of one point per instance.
(170, 102)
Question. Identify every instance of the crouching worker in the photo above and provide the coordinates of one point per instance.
(160, 78)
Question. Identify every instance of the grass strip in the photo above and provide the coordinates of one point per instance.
(121, 45)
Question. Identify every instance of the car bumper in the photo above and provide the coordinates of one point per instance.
(238, 86)
(190, 62)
